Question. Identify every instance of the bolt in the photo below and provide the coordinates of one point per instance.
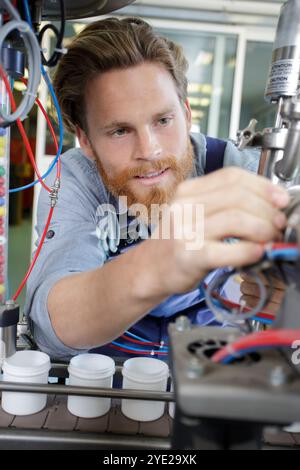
(195, 369)
(278, 376)
(182, 323)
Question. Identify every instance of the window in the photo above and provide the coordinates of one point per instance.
(211, 75)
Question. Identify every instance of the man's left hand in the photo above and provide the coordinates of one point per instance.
(250, 291)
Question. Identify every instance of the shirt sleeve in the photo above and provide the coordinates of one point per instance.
(247, 158)
(72, 245)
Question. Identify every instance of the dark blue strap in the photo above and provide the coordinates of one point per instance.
(215, 154)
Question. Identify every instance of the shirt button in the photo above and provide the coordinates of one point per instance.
(50, 234)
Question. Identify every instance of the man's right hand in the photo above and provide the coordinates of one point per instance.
(92, 308)
(237, 204)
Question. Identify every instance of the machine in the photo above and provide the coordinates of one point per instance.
(229, 383)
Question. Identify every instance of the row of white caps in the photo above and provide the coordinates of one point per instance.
(90, 370)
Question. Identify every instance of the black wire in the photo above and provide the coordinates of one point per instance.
(52, 62)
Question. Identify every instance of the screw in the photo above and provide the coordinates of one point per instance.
(195, 369)
(278, 376)
(182, 323)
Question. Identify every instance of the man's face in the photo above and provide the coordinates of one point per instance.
(138, 132)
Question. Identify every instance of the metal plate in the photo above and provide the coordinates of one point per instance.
(241, 391)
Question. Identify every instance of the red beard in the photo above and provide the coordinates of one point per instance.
(120, 185)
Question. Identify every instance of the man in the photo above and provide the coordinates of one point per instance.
(123, 91)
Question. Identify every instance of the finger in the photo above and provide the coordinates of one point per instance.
(236, 223)
(252, 302)
(231, 177)
(253, 290)
(276, 283)
(218, 254)
(217, 201)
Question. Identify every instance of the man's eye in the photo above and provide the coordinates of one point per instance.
(119, 132)
(164, 121)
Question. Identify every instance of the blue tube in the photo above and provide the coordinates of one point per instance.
(264, 321)
(27, 12)
(244, 352)
(288, 253)
(124, 346)
(61, 129)
(141, 339)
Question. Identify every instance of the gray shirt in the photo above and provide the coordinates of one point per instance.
(74, 242)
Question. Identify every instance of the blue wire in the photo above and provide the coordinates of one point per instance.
(228, 359)
(142, 339)
(56, 104)
(137, 337)
(154, 348)
(124, 346)
(27, 12)
(284, 253)
(264, 321)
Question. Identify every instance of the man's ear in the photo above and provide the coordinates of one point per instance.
(188, 113)
(84, 143)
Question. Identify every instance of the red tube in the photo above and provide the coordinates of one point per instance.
(21, 129)
(137, 353)
(35, 256)
(275, 338)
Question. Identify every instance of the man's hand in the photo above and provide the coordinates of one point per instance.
(250, 291)
(106, 301)
(236, 204)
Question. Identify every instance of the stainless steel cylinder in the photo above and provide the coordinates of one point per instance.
(273, 145)
(9, 317)
(285, 66)
(289, 167)
(8, 336)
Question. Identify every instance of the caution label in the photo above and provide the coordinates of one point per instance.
(283, 78)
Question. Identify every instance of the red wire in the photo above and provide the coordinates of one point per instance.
(272, 246)
(231, 304)
(21, 129)
(279, 246)
(146, 343)
(35, 256)
(137, 352)
(38, 102)
(276, 338)
(58, 168)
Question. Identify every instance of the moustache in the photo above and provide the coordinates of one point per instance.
(153, 167)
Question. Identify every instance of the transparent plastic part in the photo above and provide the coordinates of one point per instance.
(4, 196)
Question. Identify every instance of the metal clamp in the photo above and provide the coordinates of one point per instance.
(54, 192)
(246, 136)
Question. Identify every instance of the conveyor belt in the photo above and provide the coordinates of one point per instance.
(56, 428)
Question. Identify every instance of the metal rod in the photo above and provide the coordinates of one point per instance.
(278, 118)
(64, 366)
(86, 391)
(46, 439)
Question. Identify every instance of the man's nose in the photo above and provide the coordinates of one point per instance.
(148, 145)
